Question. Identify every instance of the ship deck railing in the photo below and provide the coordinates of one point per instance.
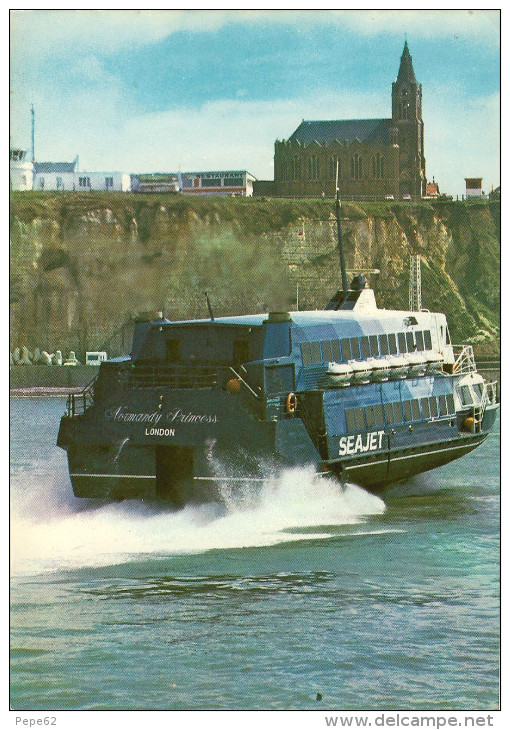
(489, 397)
(174, 376)
(77, 403)
(464, 359)
(193, 377)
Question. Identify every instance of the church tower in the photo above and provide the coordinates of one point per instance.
(407, 120)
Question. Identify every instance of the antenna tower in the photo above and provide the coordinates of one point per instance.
(33, 133)
(415, 284)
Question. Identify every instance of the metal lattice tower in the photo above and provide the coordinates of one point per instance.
(415, 284)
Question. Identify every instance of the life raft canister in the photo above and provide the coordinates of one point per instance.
(233, 386)
(469, 424)
(291, 403)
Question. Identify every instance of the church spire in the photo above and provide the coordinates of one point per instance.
(406, 70)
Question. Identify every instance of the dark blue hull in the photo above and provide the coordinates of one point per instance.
(185, 445)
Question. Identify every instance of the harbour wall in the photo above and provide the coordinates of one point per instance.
(83, 265)
(23, 377)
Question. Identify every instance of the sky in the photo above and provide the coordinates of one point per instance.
(161, 90)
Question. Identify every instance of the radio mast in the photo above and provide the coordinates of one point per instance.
(33, 133)
(415, 284)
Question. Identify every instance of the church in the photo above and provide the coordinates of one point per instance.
(377, 158)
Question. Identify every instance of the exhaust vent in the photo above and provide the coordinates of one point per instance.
(278, 317)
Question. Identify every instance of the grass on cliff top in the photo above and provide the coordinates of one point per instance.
(275, 213)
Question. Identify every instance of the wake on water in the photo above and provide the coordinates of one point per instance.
(52, 530)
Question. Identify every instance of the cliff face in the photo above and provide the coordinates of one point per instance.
(83, 265)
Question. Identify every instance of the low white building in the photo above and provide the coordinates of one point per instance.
(55, 175)
(67, 176)
(21, 170)
(116, 181)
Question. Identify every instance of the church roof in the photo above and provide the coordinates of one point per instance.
(343, 130)
(406, 70)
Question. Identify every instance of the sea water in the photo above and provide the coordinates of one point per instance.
(297, 590)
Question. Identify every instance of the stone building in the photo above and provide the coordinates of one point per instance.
(378, 158)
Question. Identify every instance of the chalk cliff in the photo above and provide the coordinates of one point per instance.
(82, 265)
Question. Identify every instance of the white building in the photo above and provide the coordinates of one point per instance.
(116, 181)
(67, 176)
(473, 188)
(21, 170)
(55, 175)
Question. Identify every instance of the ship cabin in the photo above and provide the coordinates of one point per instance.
(268, 356)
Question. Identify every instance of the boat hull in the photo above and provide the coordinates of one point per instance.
(205, 467)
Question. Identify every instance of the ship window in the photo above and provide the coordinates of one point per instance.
(173, 350)
(477, 387)
(450, 404)
(397, 412)
(392, 344)
(402, 343)
(428, 340)
(388, 412)
(306, 353)
(335, 349)
(356, 354)
(316, 352)
(360, 418)
(425, 406)
(365, 349)
(350, 420)
(465, 395)
(370, 416)
(419, 341)
(408, 416)
(346, 350)
(433, 406)
(415, 407)
(448, 340)
(379, 415)
(326, 351)
(374, 345)
(383, 342)
(443, 410)
(410, 341)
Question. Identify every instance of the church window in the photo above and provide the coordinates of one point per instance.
(333, 161)
(313, 168)
(356, 167)
(296, 168)
(378, 166)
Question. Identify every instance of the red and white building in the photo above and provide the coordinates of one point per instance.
(229, 182)
(473, 187)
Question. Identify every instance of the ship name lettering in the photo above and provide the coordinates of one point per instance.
(160, 431)
(178, 415)
(120, 413)
(356, 444)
